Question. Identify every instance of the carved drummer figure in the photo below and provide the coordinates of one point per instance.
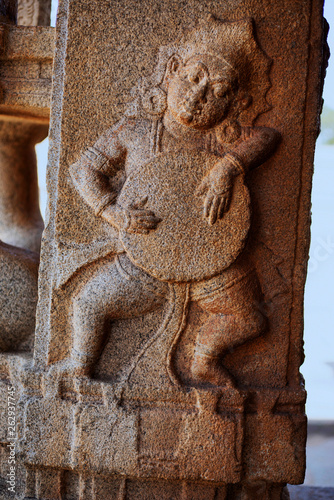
(183, 212)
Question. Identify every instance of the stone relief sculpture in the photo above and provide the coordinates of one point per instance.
(171, 177)
(168, 335)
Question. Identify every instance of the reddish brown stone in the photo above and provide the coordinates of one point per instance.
(169, 336)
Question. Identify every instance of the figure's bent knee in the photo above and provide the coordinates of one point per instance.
(254, 322)
(200, 364)
(85, 301)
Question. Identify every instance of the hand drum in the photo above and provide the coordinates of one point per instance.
(183, 247)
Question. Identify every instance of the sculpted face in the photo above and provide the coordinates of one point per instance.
(200, 90)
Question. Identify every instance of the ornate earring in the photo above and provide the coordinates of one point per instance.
(155, 101)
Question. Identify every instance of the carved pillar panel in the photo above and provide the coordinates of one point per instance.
(26, 56)
(169, 335)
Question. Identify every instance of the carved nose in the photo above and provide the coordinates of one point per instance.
(196, 95)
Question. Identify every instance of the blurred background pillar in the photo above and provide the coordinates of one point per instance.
(26, 58)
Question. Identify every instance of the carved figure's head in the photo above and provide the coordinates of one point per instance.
(215, 76)
(202, 80)
(200, 90)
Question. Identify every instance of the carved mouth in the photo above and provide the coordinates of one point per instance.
(187, 112)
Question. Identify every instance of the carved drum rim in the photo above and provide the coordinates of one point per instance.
(184, 247)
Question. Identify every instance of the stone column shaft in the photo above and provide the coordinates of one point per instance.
(21, 223)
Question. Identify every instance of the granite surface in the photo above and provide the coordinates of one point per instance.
(169, 324)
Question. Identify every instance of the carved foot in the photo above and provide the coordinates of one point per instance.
(69, 369)
(209, 370)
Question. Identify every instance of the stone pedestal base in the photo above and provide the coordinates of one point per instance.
(49, 484)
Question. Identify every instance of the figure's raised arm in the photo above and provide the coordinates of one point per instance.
(254, 147)
(92, 174)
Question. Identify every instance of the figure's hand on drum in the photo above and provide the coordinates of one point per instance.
(217, 186)
(140, 220)
(133, 219)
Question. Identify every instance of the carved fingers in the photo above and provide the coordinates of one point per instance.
(217, 189)
(216, 205)
(140, 204)
(140, 220)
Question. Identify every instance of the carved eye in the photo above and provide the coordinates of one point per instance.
(195, 76)
(219, 90)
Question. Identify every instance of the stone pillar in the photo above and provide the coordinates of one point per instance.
(21, 223)
(26, 12)
(26, 57)
(25, 78)
(169, 326)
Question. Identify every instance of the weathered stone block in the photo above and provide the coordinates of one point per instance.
(169, 326)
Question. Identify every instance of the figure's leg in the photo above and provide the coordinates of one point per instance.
(109, 293)
(237, 317)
